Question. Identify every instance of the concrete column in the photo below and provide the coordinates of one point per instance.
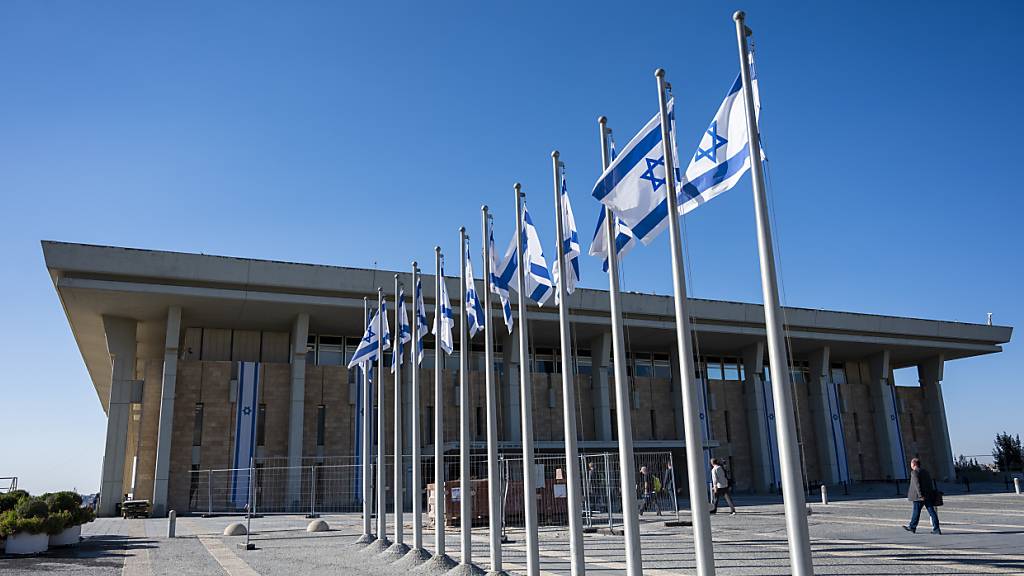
(300, 333)
(760, 445)
(821, 415)
(677, 393)
(886, 420)
(510, 385)
(600, 359)
(929, 374)
(163, 435)
(120, 335)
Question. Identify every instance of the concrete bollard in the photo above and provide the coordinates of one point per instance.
(1016, 486)
(824, 494)
(172, 519)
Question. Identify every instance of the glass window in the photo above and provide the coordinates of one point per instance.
(584, 363)
(642, 366)
(544, 361)
(662, 367)
(261, 425)
(731, 369)
(321, 424)
(838, 375)
(330, 351)
(714, 368)
(197, 425)
(311, 349)
(428, 356)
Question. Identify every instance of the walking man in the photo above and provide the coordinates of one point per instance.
(921, 494)
(648, 492)
(720, 481)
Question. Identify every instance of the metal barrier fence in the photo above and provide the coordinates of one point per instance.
(336, 488)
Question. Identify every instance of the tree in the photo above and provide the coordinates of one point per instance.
(1008, 453)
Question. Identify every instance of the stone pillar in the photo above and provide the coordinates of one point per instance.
(677, 394)
(929, 374)
(760, 445)
(300, 334)
(510, 385)
(600, 360)
(886, 420)
(120, 335)
(163, 435)
(821, 416)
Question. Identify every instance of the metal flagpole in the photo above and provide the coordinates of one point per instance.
(414, 393)
(465, 482)
(440, 558)
(627, 475)
(572, 471)
(399, 545)
(364, 369)
(526, 401)
(785, 423)
(493, 475)
(703, 551)
(382, 505)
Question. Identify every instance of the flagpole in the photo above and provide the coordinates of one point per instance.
(578, 564)
(526, 402)
(465, 483)
(703, 551)
(493, 484)
(382, 507)
(367, 447)
(414, 393)
(785, 424)
(627, 474)
(399, 547)
(440, 559)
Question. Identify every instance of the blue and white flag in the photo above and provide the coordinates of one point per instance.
(474, 311)
(624, 239)
(539, 285)
(404, 331)
(421, 321)
(498, 287)
(723, 153)
(443, 319)
(366, 352)
(570, 245)
(634, 184)
(246, 415)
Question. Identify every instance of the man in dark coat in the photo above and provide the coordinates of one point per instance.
(922, 494)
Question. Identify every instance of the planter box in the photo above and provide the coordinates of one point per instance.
(24, 543)
(69, 537)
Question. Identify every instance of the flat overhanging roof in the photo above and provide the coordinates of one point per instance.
(243, 293)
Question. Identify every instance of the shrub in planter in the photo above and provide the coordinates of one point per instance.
(9, 500)
(66, 516)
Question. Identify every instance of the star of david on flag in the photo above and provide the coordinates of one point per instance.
(570, 245)
(474, 311)
(421, 321)
(404, 331)
(624, 238)
(496, 287)
(443, 319)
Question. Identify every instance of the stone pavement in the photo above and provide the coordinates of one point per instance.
(982, 534)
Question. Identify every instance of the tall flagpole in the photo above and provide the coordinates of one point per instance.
(399, 547)
(382, 505)
(493, 484)
(572, 471)
(465, 482)
(526, 402)
(414, 394)
(785, 423)
(703, 551)
(367, 430)
(627, 474)
(440, 558)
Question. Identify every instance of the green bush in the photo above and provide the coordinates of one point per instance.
(12, 523)
(49, 513)
(32, 508)
(9, 500)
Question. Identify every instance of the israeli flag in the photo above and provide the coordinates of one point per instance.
(421, 321)
(443, 319)
(539, 285)
(634, 184)
(474, 311)
(246, 415)
(366, 352)
(570, 245)
(498, 288)
(624, 238)
(404, 331)
(723, 153)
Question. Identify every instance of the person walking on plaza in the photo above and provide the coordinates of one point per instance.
(648, 491)
(921, 493)
(720, 482)
(595, 490)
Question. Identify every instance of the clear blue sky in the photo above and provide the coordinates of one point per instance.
(369, 132)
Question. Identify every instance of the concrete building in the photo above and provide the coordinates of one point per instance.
(161, 334)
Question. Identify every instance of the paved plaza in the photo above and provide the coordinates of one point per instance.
(982, 534)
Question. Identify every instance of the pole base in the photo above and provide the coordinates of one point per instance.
(437, 565)
(247, 546)
(366, 539)
(378, 546)
(673, 523)
(414, 558)
(395, 552)
(466, 570)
